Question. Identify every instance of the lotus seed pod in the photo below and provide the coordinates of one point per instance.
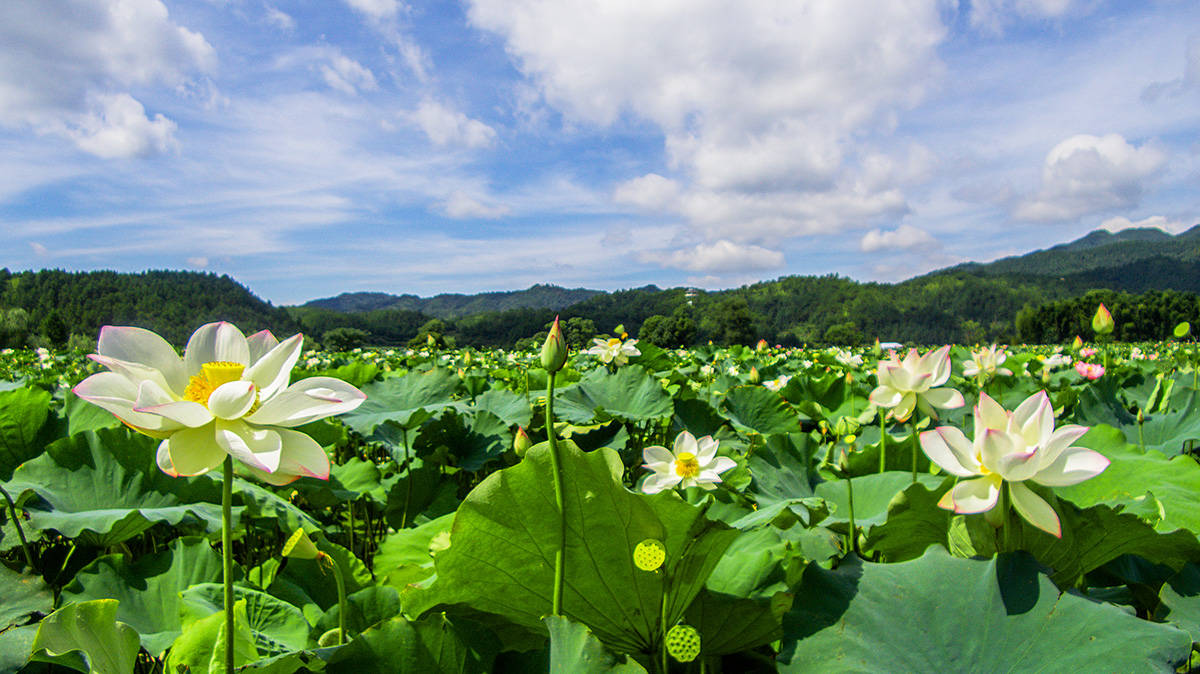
(300, 546)
(683, 643)
(554, 351)
(649, 555)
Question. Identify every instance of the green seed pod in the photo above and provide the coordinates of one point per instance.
(649, 555)
(683, 643)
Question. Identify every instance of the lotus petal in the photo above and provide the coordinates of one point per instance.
(1034, 509)
(949, 448)
(193, 451)
(257, 447)
(136, 345)
(232, 400)
(216, 342)
(271, 371)
(307, 400)
(1072, 466)
(974, 496)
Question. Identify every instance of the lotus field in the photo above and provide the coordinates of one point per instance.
(248, 505)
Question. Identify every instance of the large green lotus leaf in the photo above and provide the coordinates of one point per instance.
(306, 583)
(503, 542)
(1099, 403)
(829, 391)
(16, 643)
(1091, 538)
(729, 624)
(756, 409)
(698, 417)
(1181, 600)
(105, 483)
(307, 662)
(404, 557)
(914, 522)
(23, 595)
(201, 647)
(752, 565)
(631, 394)
(1173, 482)
(90, 637)
(432, 644)
(148, 587)
(574, 649)
(84, 416)
(23, 413)
(472, 440)
(264, 505)
(897, 451)
(939, 613)
(406, 401)
(782, 469)
(1167, 431)
(367, 607)
(277, 626)
(872, 495)
(511, 407)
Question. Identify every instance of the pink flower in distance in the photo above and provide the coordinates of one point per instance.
(1090, 371)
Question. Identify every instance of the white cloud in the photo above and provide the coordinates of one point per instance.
(120, 128)
(376, 9)
(994, 15)
(446, 126)
(903, 237)
(768, 110)
(1190, 80)
(460, 205)
(1156, 221)
(280, 20)
(347, 75)
(198, 262)
(1087, 174)
(721, 257)
(650, 191)
(68, 67)
(39, 249)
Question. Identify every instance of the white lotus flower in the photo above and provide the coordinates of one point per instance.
(228, 395)
(908, 384)
(693, 463)
(777, 383)
(1012, 447)
(614, 350)
(987, 362)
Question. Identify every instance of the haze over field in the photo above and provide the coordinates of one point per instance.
(313, 148)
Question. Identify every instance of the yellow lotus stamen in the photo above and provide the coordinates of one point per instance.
(686, 465)
(649, 555)
(200, 386)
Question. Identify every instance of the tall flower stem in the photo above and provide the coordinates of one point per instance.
(916, 448)
(882, 440)
(556, 465)
(12, 515)
(341, 591)
(663, 623)
(853, 546)
(227, 557)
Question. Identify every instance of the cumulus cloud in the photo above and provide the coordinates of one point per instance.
(376, 9)
(446, 126)
(87, 57)
(763, 107)
(1087, 174)
(280, 19)
(347, 75)
(721, 257)
(1156, 221)
(460, 205)
(903, 237)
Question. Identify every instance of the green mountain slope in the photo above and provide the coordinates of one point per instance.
(453, 305)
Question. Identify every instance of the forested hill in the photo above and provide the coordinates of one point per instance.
(56, 304)
(453, 305)
(1134, 260)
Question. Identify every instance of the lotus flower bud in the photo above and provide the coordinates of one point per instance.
(1182, 330)
(1077, 344)
(754, 376)
(1102, 322)
(554, 351)
(521, 443)
(761, 346)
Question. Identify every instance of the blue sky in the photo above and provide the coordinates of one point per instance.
(312, 147)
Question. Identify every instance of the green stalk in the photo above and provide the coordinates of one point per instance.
(341, 590)
(916, 447)
(853, 547)
(556, 465)
(663, 624)
(12, 515)
(408, 468)
(227, 557)
(882, 441)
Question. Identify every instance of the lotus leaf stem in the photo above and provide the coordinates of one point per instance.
(227, 557)
(12, 515)
(556, 465)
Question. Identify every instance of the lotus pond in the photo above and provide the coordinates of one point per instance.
(704, 510)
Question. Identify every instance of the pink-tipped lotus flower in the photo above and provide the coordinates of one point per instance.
(1012, 447)
(227, 396)
(912, 383)
(986, 362)
(1089, 371)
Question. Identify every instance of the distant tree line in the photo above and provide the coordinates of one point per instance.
(56, 308)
